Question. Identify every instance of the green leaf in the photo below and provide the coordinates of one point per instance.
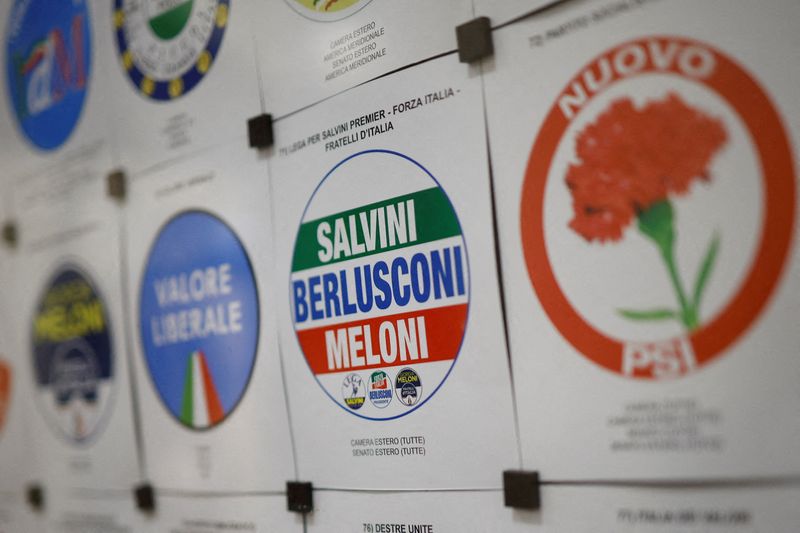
(705, 271)
(649, 314)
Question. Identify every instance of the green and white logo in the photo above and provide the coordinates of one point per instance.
(167, 46)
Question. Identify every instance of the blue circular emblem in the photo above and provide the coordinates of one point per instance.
(73, 355)
(166, 48)
(48, 63)
(199, 318)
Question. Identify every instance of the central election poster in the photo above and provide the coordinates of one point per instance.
(392, 335)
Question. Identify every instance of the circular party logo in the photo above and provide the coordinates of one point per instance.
(199, 318)
(379, 288)
(48, 59)
(5, 391)
(658, 207)
(327, 10)
(168, 46)
(73, 355)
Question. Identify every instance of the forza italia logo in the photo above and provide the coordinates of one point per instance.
(664, 169)
(168, 46)
(379, 281)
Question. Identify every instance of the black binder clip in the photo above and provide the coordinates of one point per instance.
(117, 185)
(10, 234)
(521, 489)
(145, 497)
(300, 496)
(35, 497)
(474, 40)
(259, 131)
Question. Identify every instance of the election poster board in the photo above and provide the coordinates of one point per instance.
(202, 318)
(503, 11)
(67, 315)
(391, 332)
(183, 77)
(82, 512)
(55, 59)
(644, 157)
(224, 513)
(309, 50)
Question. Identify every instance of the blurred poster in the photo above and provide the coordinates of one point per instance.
(184, 77)
(55, 59)
(646, 181)
(82, 512)
(503, 11)
(202, 320)
(223, 513)
(67, 315)
(309, 50)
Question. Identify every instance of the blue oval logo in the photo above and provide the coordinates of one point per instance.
(48, 63)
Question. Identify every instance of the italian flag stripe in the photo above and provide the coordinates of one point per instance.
(213, 405)
(448, 323)
(201, 405)
(434, 220)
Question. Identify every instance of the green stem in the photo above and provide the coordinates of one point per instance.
(688, 312)
(657, 223)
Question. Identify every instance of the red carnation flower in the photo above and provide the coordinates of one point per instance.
(632, 158)
(631, 161)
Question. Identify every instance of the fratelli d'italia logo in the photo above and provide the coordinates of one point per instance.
(48, 59)
(379, 288)
(664, 170)
(73, 357)
(168, 46)
(199, 318)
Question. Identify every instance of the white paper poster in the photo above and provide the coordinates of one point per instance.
(311, 49)
(646, 181)
(391, 331)
(183, 79)
(679, 509)
(503, 11)
(55, 59)
(416, 512)
(15, 515)
(15, 455)
(202, 317)
(224, 513)
(81, 512)
(564, 509)
(70, 333)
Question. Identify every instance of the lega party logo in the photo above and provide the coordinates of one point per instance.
(658, 207)
(73, 356)
(168, 46)
(199, 319)
(5, 391)
(327, 10)
(379, 281)
(48, 59)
